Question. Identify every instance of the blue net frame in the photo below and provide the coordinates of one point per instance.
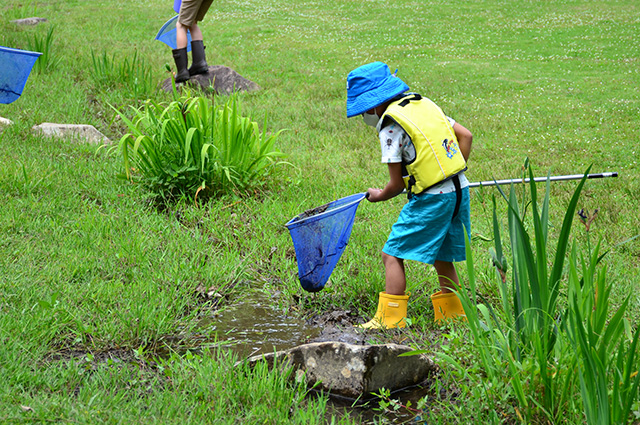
(320, 236)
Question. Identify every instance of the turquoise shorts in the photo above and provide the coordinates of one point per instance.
(426, 230)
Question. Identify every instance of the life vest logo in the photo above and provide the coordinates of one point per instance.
(451, 147)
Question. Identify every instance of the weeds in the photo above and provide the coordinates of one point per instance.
(29, 184)
(49, 59)
(191, 148)
(387, 404)
(540, 341)
(21, 10)
(607, 358)
(132, 74)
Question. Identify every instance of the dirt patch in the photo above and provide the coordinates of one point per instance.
(337, 325)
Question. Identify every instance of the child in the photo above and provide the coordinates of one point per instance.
(426, 153)
(191, 12)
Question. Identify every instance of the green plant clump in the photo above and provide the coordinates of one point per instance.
(191, 148)
(553, 344)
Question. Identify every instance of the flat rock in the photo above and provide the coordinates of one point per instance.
(29, 21)
(351, 370)
(81, 132)
(222, 79)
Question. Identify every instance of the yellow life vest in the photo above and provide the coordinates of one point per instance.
(438, 155)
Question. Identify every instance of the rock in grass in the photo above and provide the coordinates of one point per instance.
(221, 79)
(4, 122)
(81, 132)
(29, 21)
(352, 370)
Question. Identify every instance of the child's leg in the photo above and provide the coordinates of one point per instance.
(199, 64)
(447, 275)
(181, 36)
(395, 279)
(196, 33)
(180, 56)
(446, 304)
(392, 304)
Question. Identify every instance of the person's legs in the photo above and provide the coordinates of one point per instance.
(180, 56)
(395, 279)
(446, 304)
(447, 276)
(191, 11)
(199, 63)
(181, 36)
(392, 304)
(196, 32)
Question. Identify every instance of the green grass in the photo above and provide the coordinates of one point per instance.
(89, 267)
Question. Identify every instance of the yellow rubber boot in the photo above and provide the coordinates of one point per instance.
(392, 310)
(447, 306)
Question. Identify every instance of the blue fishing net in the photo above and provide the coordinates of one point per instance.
(320, 236)
(15, 67)
(167, 34)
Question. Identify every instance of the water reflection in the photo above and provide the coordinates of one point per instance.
(253, 325)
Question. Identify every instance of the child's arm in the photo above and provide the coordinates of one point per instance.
(465, 138)
(394, 187)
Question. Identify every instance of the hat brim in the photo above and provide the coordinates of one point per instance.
(361, 103)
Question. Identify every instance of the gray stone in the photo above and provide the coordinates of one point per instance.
(82, 132)
(223, 80)
(352, 370)
(29, 21)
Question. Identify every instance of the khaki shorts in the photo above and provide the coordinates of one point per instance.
(192, 11)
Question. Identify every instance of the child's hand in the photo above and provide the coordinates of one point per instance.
(374, 195)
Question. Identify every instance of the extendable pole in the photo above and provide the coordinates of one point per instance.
(543, 179)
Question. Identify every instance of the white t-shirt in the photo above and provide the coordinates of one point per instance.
(397, 147)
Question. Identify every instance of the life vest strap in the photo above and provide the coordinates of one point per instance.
(408, 99)
(456, 184)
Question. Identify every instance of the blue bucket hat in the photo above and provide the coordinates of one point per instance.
(371, 85)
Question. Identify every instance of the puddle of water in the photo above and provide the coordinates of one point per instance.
(252, 326)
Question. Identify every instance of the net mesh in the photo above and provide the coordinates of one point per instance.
(320, 236)
(15, 67)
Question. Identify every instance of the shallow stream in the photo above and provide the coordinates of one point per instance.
(254, 325)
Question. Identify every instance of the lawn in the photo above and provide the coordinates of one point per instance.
(102, 289)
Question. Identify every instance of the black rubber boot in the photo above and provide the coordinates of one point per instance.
(199, 63)
(182, 60)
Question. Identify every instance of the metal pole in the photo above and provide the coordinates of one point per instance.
(543, 179)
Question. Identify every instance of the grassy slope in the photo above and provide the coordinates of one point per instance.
(88, 266)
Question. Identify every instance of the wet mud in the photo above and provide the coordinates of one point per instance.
(254, 325)
(257, 325)
(314, 211)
